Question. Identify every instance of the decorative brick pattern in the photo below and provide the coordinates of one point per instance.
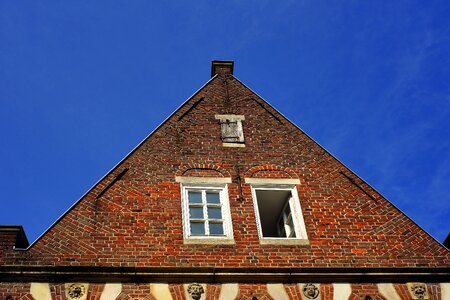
(364, 291)
(253, 292)
(269, 171)
(15, 290)
(184, 169)
(326, 291)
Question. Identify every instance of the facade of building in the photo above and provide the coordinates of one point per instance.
(227, 199)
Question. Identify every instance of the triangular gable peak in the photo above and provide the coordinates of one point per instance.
(227, 181)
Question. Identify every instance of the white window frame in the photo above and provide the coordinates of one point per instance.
(210, 184)
(294, 203)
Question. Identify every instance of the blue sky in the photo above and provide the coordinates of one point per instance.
(83, 82)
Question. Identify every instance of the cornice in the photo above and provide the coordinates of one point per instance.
(220, 275)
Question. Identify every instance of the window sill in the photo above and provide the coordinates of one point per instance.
(209, 241)
(233, 144)
(280, 241)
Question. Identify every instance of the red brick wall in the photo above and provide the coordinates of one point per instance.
(137, 221)
(7, 242)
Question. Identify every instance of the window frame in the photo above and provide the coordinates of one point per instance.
(225, 209)
(295, 207)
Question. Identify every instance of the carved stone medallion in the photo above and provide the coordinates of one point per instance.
(310, 291)
(418, 290)
(76, 291)
(195, 290)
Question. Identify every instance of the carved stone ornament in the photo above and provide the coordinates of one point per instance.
(418, 290)
(76, 291)
(311, 291)
(195, 290)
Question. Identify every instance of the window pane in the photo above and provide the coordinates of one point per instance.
(290, 228)
(215, 228)
(212, 197)
(214, 213)
(196, 212)
(197, 228)
(195, 197)
(287, 210)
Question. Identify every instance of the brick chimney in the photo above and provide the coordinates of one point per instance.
(222, 67)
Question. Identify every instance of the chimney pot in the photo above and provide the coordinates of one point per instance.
(222, 67)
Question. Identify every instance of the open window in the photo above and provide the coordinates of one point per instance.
(278, 212)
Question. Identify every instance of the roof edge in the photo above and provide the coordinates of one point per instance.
(338, 160)
(116, 165)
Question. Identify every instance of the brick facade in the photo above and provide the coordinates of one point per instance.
(132, 219)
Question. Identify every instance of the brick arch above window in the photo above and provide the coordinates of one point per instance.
(202, 170)
(270, 171)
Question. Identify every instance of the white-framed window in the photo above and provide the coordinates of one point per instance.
(278, 212)
(206, 211)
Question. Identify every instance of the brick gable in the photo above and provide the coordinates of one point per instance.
(133, 216)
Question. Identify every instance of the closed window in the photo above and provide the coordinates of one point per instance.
(206, 211)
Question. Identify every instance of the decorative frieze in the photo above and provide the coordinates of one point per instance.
(225, 291)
